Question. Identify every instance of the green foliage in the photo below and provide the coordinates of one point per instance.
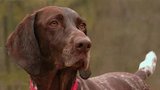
(15, 80)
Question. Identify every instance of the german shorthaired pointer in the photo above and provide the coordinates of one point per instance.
(52, 45)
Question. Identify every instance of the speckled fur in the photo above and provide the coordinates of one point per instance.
(114, 81)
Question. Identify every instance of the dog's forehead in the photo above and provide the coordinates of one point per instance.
(54, 10)
(70, 12)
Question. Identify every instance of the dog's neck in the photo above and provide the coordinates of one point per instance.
(55, 80)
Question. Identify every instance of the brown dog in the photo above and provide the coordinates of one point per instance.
(52, 45)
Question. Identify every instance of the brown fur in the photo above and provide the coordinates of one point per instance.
(52, 45)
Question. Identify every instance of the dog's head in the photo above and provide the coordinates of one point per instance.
(51, 38)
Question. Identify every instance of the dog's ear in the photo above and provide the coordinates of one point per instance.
(23, 47)
(86, 72)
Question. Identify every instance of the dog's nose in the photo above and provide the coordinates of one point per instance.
(83, 44)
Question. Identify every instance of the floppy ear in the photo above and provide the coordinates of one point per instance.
(23, 47)
(86, 72)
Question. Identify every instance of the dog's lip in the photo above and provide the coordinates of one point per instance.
(80, 58)
(80, 64)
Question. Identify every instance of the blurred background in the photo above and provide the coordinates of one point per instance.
(122, 32)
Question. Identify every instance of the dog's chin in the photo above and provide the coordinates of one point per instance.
(81, 64)
(75, 59)
(76, 64)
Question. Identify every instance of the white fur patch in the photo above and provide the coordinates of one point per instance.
(149, 63)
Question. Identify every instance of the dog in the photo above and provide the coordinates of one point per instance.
(52, 46)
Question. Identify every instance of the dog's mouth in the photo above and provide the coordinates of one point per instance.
(75, 59)
(79, 65)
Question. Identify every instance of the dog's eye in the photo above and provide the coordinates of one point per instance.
(82, 26)
(53, 23)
